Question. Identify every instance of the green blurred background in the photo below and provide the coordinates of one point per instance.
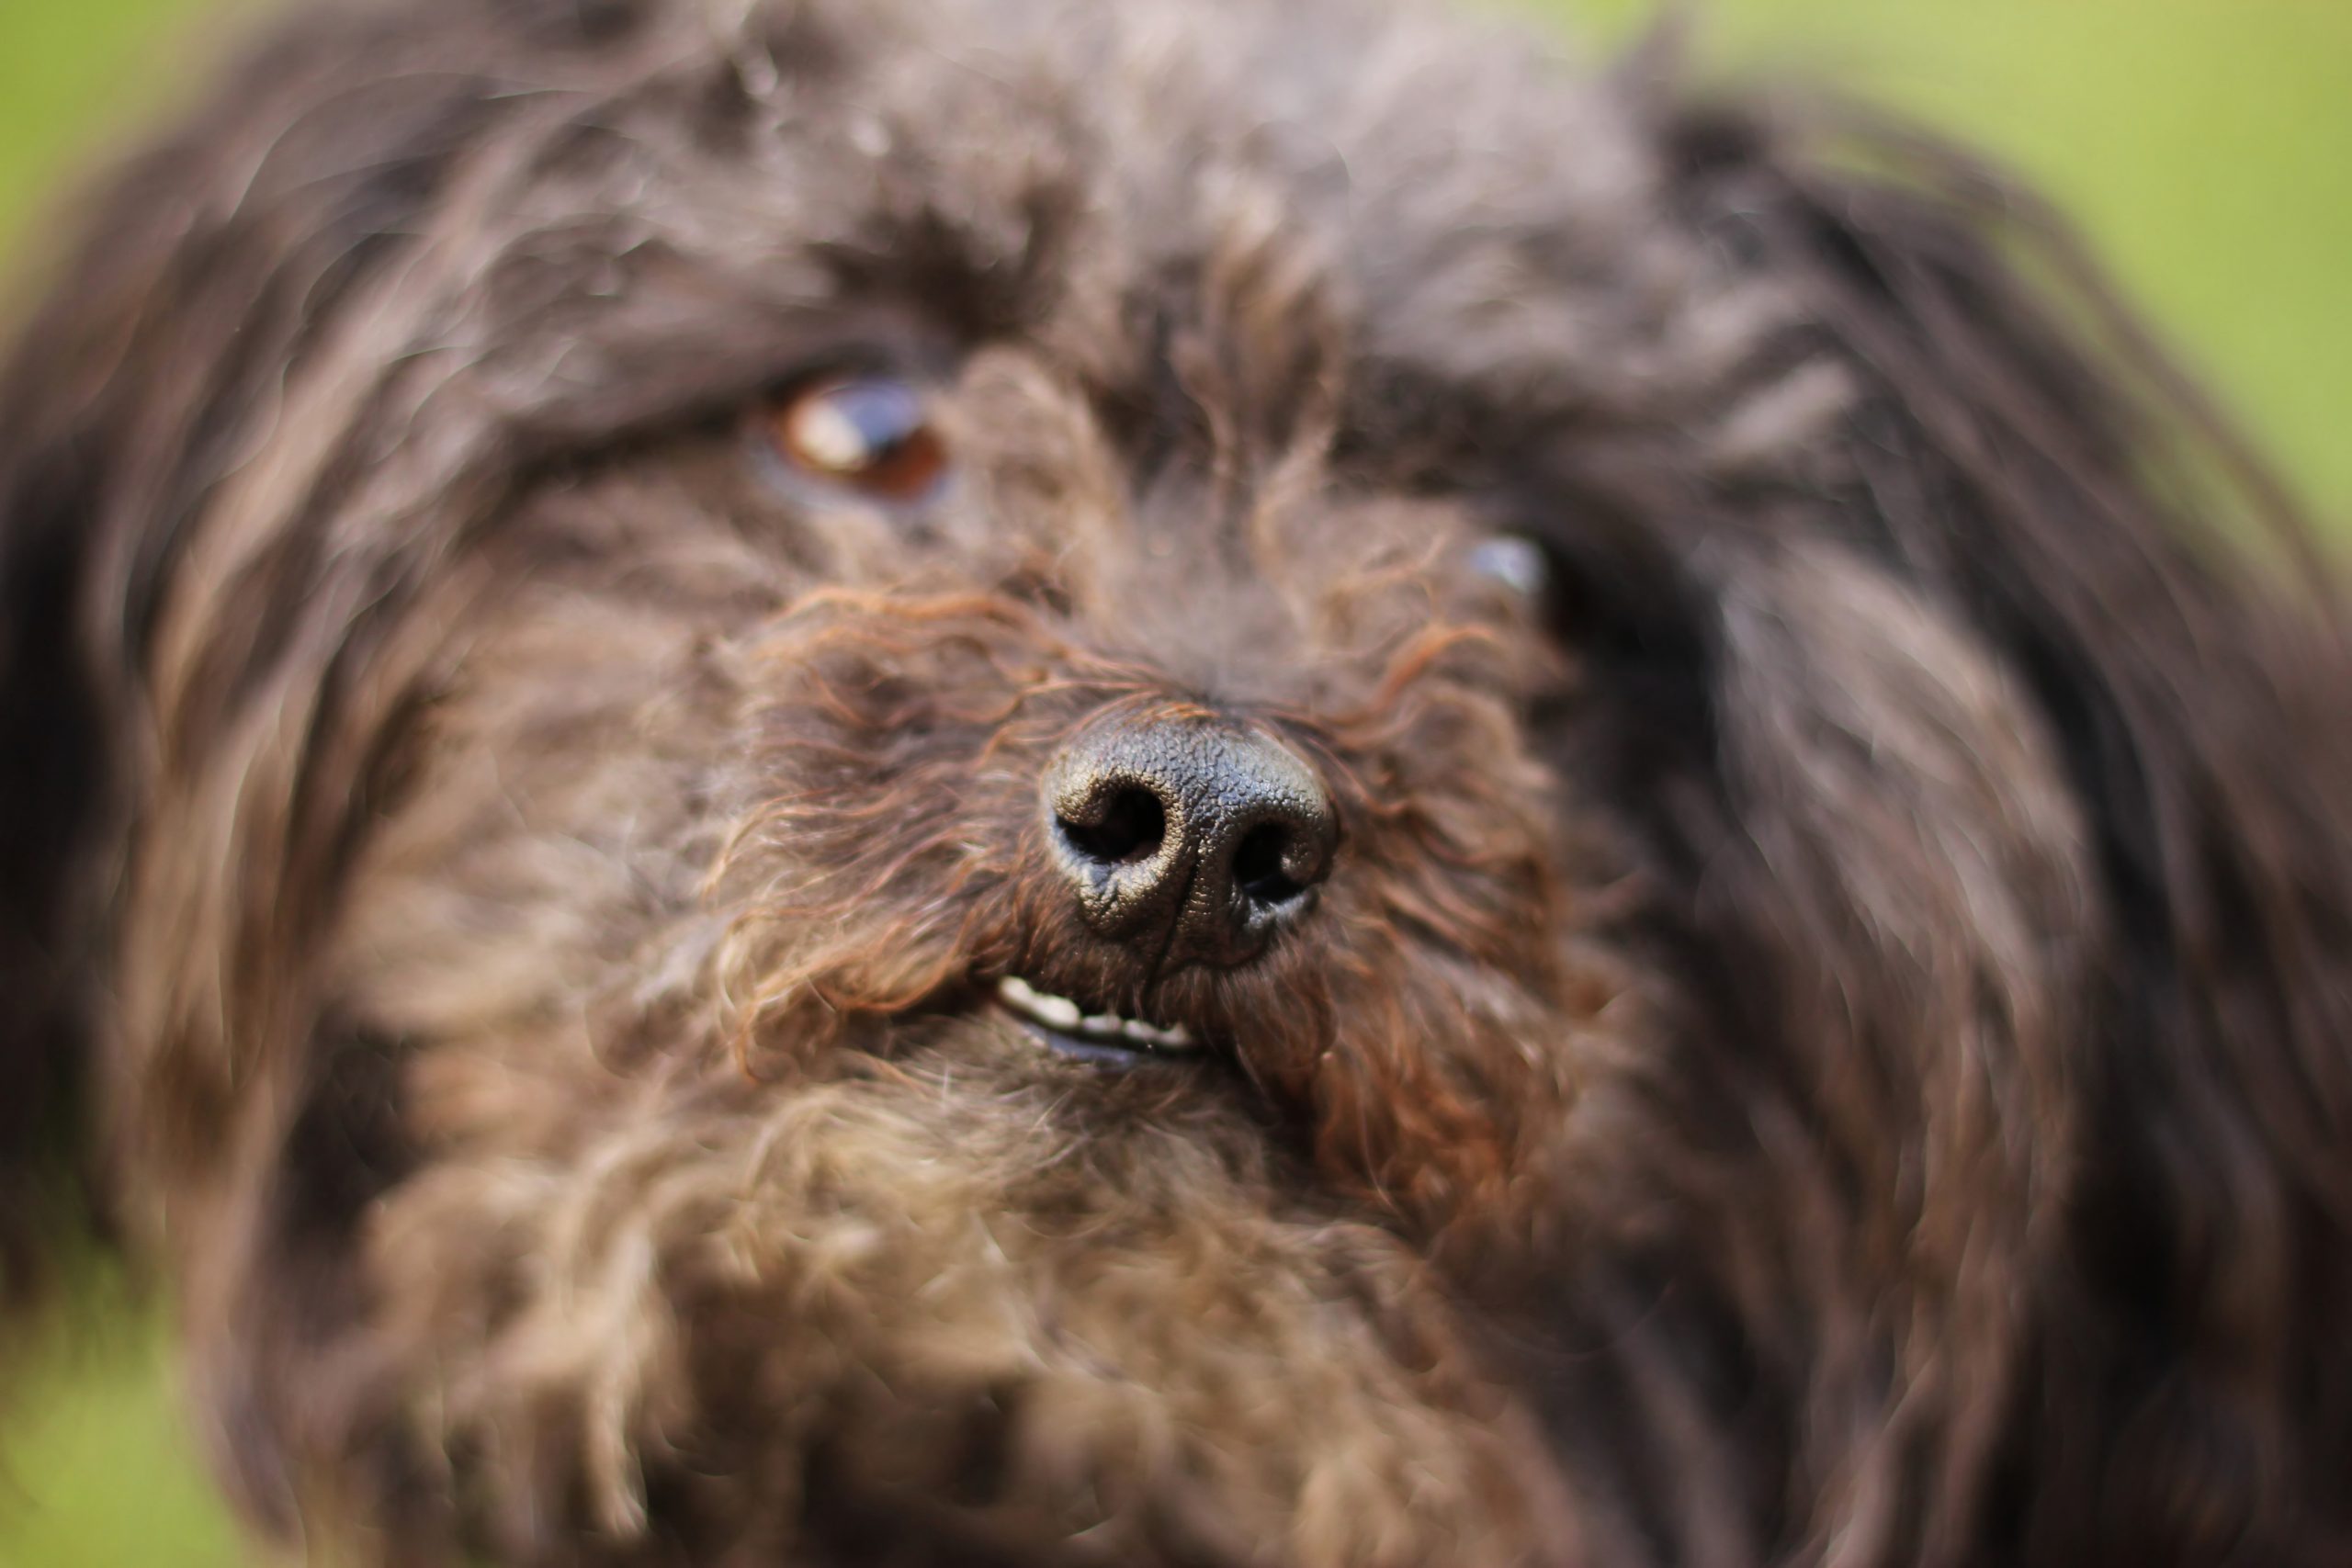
(2206, 146)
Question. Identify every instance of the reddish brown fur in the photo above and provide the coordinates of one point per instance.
(1824, 1040)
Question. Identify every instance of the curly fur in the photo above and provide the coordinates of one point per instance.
(1826, 1041)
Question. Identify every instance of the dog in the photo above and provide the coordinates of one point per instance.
(987, 782)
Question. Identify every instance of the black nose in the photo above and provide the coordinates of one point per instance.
(1190, 839)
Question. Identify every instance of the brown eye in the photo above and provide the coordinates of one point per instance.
(868, 435)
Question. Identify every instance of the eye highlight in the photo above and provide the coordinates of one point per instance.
(1518, 563)
(867, 436)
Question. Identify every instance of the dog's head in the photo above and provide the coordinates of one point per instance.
(1030, 781)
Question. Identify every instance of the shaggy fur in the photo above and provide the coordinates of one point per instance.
(1826, 1037)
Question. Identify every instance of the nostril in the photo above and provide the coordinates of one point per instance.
(1186, 841)
(1259, 865)
(1128, 824)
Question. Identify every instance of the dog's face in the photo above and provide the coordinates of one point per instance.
(1012, 782)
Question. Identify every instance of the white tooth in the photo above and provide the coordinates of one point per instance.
(1060, 1012)
(1054, 1012)
(1176, 1039)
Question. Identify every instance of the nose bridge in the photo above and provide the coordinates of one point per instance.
(1198, 602)
(1186, 839)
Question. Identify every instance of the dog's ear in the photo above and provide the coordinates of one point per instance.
(53, 788)
(202, 272)
(2022, 450)
(76, 423)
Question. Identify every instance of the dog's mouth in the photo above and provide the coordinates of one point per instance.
(1107, 1039)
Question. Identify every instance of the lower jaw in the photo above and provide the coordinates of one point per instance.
(1093, 1052)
